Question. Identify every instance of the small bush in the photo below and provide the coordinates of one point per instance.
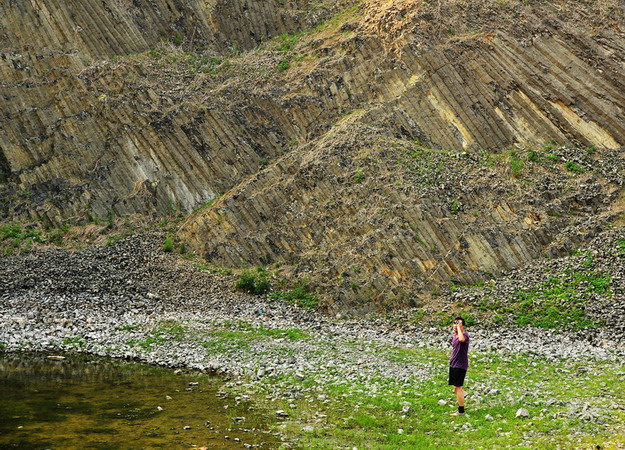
(254, 281)
(283, 65)
(573, 167)
(533, 156)
(516, 165)
(168, 246)
(178, 39)
(359, 177)
(620, 246)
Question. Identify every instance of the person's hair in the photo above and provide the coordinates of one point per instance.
(460, 318)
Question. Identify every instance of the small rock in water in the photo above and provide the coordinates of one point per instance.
(187, 427)
(522, 412)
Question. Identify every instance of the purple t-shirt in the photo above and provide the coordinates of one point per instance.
(459, 352)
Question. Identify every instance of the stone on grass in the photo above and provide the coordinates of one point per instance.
(523, 413)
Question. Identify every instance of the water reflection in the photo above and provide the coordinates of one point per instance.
(100, 403)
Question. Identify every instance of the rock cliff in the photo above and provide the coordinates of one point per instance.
(377, 148)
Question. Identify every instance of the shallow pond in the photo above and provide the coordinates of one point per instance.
(84, 402)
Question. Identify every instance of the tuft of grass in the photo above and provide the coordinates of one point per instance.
(620, 246)
(283, 65)
(165, 331)
(178, 39)
(516, 165)
(75, 342)
(207, 204)
(574, 167)
(359, 176)
(300, 294)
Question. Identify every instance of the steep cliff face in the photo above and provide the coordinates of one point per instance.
(379, 151)
(86, 135)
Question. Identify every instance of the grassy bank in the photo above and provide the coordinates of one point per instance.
(572, 404)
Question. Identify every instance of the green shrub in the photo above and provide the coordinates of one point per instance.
(178, 39)
(359, 177)
(573, 167)
(254, 281)
(283, 65)
(516, 165)
(533, 156)
(168, 246)
(620, 246)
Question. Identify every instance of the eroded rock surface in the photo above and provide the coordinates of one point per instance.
(325, 143)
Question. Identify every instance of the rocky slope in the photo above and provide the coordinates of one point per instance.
(380, 149)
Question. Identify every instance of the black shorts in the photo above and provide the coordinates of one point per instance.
(456, 376)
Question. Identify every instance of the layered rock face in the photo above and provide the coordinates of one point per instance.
(325, 145)
(82, 134)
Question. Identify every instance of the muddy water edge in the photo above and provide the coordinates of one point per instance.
(88, 402)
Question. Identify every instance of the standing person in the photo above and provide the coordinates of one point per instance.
(459, 362)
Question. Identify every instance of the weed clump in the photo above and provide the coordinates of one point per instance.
(254, 281)
(300, 294)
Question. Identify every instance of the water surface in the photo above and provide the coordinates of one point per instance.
(86, 402)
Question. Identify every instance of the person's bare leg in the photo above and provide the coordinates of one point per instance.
(459, 395)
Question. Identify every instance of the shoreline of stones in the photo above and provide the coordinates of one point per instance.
(106, 300)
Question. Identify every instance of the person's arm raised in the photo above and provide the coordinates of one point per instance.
(460, 332)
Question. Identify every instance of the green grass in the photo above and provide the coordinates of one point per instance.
(558, 303)
(574, 167)
(516, 165)
(359, 176)
(238, 336)
(207, 204)
(74, 342)
(426, 163)
(22, 238)
(364, 412)
(165, 331)
(620, 246)
(300, 294)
